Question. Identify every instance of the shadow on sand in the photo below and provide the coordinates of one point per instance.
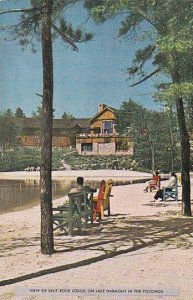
(116, 235)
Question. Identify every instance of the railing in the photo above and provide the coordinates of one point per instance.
(94, 135)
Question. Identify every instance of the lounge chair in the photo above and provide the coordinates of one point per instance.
(102, 201)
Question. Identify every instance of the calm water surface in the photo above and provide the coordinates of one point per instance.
(21, 194)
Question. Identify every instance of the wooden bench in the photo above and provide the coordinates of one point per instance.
(77, 212)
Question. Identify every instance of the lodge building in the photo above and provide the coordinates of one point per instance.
(102, 138)
(94, 136)
(64, 135)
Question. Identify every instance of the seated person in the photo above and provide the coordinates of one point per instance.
(80, 187)
(170, 184)
(155, 180)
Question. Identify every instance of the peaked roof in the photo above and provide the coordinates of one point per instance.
(101, 112)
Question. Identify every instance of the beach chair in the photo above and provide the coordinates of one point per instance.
(85, 204)
(67, 217)
(171, 193)
(74, 214)
(102, 201)
(155, 183)
(97, 201)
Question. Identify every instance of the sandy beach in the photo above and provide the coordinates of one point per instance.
(94, 174)
(142, 251)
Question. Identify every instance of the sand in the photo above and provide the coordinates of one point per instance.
(94, 174)
(142, 251)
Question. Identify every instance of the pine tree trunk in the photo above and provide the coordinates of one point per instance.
(185, 147)
(152, 158)
(47, 243)
(185, 157)
(190, 112)
(170, 122)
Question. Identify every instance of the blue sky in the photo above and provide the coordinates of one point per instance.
(82, 80)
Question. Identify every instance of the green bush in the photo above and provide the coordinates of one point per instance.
(19, 159)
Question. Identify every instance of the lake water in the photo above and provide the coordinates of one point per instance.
(21, 194)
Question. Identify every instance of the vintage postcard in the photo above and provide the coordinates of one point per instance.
(96, 131)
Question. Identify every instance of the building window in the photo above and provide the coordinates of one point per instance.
(86, 147)
(108, 126)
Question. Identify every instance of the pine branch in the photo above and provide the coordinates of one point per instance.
(65, 37)
(146, 77)
(19, 10)
(134, 69)
(148, 54)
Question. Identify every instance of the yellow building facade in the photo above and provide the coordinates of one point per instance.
(103, 139)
